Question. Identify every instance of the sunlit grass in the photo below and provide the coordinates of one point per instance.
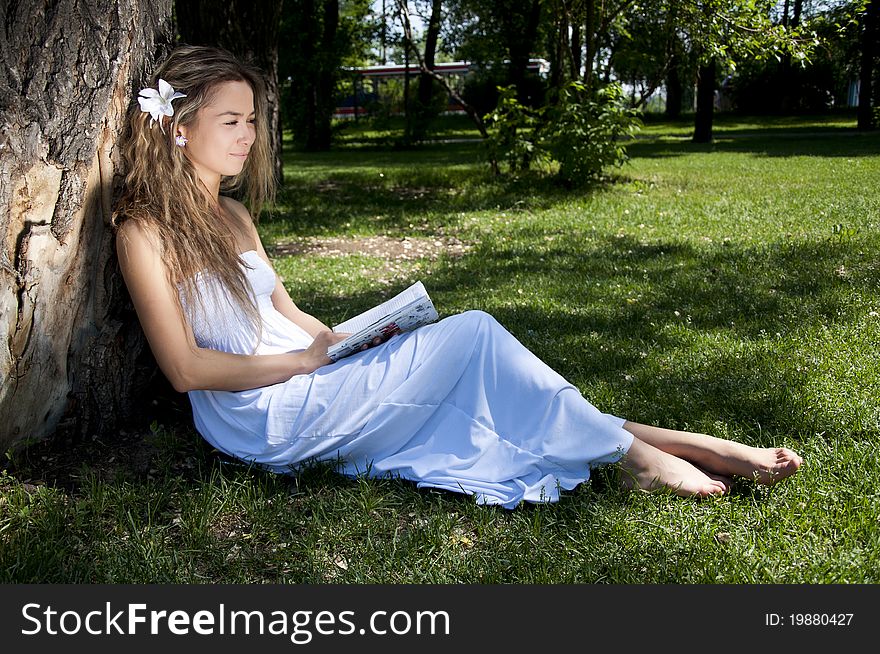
(729, 288)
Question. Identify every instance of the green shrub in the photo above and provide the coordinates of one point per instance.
(584, 135)
(514, 132)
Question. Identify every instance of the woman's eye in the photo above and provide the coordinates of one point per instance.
(234, 122)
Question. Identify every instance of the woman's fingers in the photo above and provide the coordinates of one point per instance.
(376, 341)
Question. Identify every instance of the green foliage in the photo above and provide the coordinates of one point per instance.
(514, 132)
(587, 135)
(584, 135)
(780, 85)
(316, 40)
(730, 289)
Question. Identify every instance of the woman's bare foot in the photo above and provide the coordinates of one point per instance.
(649, 468)
(765, 465)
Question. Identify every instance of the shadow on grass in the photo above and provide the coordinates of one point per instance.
(766, 142)
(346, 191)
(709, 336)
(441, 154)
(693, 337)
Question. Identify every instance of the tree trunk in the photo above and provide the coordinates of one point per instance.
(520, 24)
(424, 112)
(73, 356)
(674, 89)
(325, 92)
(301, 42)
(559, 48)
(407, 112)
(403, 13)
(705, 103)
(590, 40)
(870, 29)
(249, 30)
(575, 51)
(788, 87)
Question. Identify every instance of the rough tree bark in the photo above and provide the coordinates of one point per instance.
(71, 351)
(247, 28)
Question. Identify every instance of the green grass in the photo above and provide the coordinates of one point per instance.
(731, 289)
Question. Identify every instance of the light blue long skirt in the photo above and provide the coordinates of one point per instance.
(460, 405)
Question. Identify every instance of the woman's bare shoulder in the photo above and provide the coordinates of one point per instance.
(238, 210)
(134, 235)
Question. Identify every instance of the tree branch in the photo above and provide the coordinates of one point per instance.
(403, 13)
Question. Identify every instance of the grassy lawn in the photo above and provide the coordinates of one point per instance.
(731, 289)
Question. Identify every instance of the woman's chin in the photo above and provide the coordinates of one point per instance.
(233, 170)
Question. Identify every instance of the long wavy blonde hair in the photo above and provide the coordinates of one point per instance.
(162, 190)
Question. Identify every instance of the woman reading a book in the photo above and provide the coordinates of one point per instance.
(458, 404)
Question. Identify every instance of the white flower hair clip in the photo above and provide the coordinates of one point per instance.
(158, 103)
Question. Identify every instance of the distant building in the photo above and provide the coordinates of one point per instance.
(376, 77)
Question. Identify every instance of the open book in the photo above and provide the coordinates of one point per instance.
(405, 311)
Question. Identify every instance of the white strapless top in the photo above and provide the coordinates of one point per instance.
(222, 325)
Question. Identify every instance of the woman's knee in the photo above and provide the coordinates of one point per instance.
(478, 316)
(471, 325)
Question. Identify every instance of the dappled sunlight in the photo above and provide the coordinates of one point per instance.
(706, 288)
(765, 142)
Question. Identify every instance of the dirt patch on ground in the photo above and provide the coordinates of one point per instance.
(407, 248)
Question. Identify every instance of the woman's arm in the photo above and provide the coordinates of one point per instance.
(187, 366)
(282, 301)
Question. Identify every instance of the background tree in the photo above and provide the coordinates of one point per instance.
(724, 32)
(428, 71)
(424, 109)
(499, 37)
(646, 51)
(318, 38)
(816, 86)
(870, 32)
(72, 354)
(247, 28)
(678, 69)
(791, 17)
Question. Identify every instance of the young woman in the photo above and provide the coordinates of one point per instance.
(459, 404)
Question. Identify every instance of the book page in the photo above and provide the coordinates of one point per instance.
(404, 312)
(414, 293)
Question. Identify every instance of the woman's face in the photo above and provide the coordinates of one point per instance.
(219, 140)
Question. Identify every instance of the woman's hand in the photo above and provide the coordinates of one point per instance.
(381, 339)
(316, 353)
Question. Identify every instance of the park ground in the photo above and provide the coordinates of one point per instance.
(729, 288)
